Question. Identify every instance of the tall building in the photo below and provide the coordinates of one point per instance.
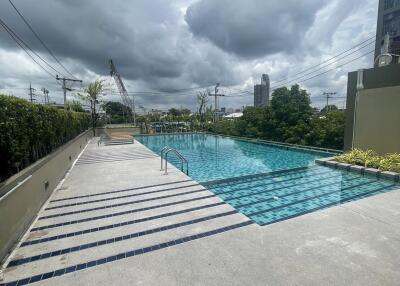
(261, 92)
(388, 23)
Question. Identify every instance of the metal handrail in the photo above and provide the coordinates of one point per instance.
(166, 148)
(183, 160)
(179, 155)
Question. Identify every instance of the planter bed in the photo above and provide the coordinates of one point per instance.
(331, 162)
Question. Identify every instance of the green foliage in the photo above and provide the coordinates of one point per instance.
(116, 112)
(390, 162)
(30, 131)
(359, 157)
(174, 112)
(368, 158)
(225, 127)
(179, 112)
(329, 108)
(327, 130)
(75, 105)
(93, 95)
(289, 118)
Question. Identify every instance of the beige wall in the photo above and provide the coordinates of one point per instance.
(19, 205)
(377, 123)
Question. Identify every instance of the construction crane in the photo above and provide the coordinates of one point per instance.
(129, 103)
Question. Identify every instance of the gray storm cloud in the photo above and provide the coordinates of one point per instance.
(157, 46)
(253, 28)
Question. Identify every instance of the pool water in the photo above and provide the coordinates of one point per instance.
(215, 157)
(266, 183)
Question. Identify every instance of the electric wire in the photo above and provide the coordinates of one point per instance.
(331, 58)
(40, 40)
(291, 79)
(16, 39)
(341, 65)
(324, 66)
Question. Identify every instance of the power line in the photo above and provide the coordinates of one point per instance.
(328, 60)
(317, 75)
(28, 47)
(323, 66)
(40, 40)
(321, 63)
(18, 40)
(187, 89)
(172, 91)
(14, 37)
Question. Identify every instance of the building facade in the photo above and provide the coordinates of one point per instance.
(261, 92)
(388, 23)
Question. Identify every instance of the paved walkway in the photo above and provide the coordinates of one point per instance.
(117, 220)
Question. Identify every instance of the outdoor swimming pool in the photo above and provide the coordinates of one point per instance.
(266, 183)
(215, 157)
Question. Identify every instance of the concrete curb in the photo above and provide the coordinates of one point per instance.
(332, 163)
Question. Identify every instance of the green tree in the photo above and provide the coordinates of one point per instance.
(116, 111)
(174, 112)
(75, 105)
(327, 130)
(291, 113)
(185, 111)
(328, 108)
(93, 95)
(289, 118)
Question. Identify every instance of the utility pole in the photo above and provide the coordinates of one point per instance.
(46, 95)
(31, 93)
(215, 98)
(328, 95)
(216, 95)
(65, 88)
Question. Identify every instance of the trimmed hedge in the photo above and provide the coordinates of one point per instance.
(29, 132)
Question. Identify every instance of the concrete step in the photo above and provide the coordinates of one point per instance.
(52, 263)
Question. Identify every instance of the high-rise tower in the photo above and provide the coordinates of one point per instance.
(261, 92)
(388, 24)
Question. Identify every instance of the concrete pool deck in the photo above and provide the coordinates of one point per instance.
(117, 220)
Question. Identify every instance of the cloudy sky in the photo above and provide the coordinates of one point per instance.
(163, 48)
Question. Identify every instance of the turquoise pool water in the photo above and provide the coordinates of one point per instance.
(214, 157)
(265, 183)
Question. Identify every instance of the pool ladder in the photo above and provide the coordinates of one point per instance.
(164, 153)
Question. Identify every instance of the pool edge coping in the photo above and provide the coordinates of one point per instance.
(281, 145)
(331, 162)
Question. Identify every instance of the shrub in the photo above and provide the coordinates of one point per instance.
(369, 158)
(359, 157)
(30, 131)
(391, 162)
